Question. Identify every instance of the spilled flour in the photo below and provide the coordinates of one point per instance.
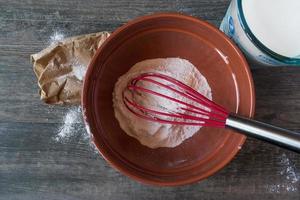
(69, 125)
(56, 37)
(79, 71)
(289, 170)
(73, 128)
(290, 178)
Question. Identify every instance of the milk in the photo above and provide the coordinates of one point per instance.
(276, 23)
(267, 31)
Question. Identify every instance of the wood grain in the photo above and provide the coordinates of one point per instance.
(35, 166)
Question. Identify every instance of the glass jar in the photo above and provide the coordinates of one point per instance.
(235, 26)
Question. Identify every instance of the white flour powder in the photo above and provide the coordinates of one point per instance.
(290, 180)
(70, 124)
(73, 128)
(79, 71)
(154, 134)
(56, 37)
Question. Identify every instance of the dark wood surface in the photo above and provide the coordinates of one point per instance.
(33, 165)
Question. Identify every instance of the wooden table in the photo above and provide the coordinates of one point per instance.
(33, 165)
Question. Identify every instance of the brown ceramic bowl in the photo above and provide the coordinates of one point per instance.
(160, 36)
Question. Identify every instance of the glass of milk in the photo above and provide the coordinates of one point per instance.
(267, 31)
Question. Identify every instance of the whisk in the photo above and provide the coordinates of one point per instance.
(194, 109)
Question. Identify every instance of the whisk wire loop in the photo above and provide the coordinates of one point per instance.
(207, 113)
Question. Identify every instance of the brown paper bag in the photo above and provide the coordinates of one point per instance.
(61, 67)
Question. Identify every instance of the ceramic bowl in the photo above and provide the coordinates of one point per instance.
(160, 36)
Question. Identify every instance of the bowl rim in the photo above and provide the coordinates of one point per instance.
(230, 156)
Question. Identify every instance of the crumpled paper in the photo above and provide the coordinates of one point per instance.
(60, 68)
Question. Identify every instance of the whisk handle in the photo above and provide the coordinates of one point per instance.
(272, 134)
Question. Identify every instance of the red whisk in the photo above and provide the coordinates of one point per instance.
(194, 109)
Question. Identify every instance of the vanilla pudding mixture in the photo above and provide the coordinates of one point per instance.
(154, 134)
